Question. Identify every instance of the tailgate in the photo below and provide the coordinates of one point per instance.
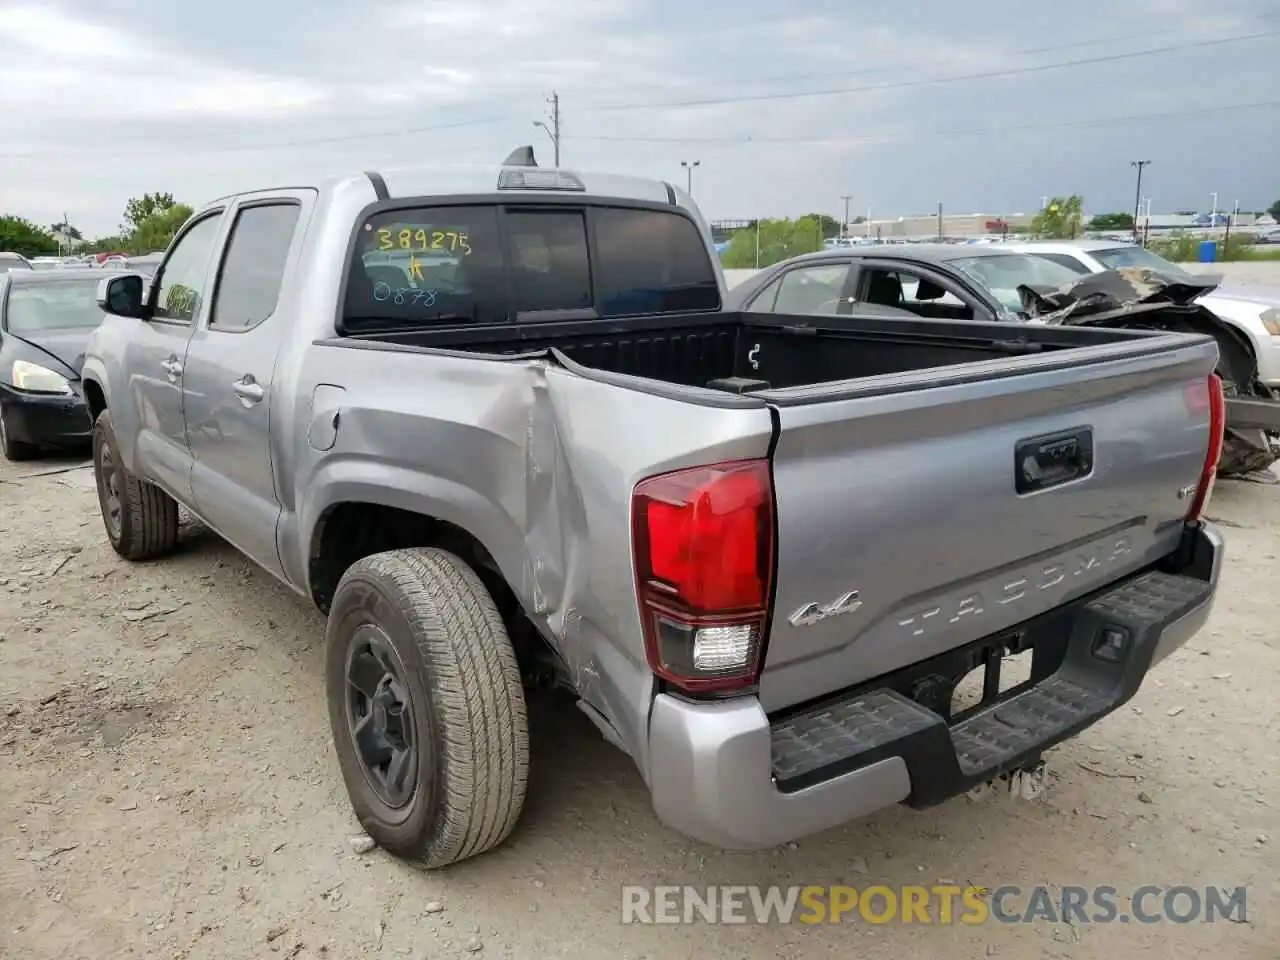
(920, 512)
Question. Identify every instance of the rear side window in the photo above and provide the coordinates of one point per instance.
(424, 266)
(652, 262)
(253, 267)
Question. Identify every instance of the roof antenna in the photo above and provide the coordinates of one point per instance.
(520, 157)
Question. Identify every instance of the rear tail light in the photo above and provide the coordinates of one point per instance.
(1211, 396)
(704, 541)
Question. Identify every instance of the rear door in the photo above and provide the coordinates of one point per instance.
(230, 374)
(909, 522)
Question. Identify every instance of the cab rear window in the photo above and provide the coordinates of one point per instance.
(482, 264)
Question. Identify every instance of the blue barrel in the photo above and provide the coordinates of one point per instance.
(1208, 251)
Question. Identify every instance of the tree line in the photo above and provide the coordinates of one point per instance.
(149, 223)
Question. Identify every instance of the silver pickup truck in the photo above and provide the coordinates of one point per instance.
(495, 421)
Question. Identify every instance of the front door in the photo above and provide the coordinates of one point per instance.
(229, 378)
(155, 358)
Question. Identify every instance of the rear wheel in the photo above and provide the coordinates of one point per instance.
(426, 706)
(14, 450)
(141, 520)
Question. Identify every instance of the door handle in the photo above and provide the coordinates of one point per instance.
(172, 367)
(248, 390)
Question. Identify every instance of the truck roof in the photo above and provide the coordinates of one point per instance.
(428, 180)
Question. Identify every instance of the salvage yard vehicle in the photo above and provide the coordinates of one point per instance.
(45, 322)
(998, 283)
(756, 548)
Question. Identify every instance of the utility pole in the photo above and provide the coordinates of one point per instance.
(553, 131)
(1137, 194)
(1230, 216)
(940, 232)
(688, 169)
(844, 224)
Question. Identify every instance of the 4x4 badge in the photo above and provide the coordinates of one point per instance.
(812, 613)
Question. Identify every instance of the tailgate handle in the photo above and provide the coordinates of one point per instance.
(1052, 459)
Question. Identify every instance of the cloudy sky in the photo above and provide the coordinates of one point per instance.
(986, 105)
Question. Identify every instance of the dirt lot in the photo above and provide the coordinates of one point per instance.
(167, 787)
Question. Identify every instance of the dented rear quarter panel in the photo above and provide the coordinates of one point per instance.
(536, 461)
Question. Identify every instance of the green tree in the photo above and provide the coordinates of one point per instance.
(156, 231)
(1112, 221)
(19, 235)
(830, 226)
(1062, 218)
(143, 208)
(779, 239)
(1274, 209)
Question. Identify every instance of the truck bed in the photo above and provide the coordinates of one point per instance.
(782, 351)
(957, 478)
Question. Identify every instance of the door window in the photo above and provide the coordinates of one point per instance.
(185, 272)
(253, 266)
(892, 292)
(815, 291)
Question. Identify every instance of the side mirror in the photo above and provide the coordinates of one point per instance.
(122, 295)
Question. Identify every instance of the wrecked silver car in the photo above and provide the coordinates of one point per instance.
(1143, 298)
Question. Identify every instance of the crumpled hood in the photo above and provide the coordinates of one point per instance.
(1112, 292)
(66, 346)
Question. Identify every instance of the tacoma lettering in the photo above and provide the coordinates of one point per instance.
(973, 605)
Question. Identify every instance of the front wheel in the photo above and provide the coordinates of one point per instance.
(141, 520)
(426, 706)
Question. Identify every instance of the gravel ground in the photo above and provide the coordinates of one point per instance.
(168, 789)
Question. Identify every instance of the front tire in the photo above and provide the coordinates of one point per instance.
(426, 706)
(14, 451)
(141, 520)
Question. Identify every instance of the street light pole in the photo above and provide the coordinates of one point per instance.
(553, 131)
(688, 167)
(844, 224)
(1137, 194)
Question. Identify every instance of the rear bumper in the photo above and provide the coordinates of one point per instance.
(55, 421)
(724, 773)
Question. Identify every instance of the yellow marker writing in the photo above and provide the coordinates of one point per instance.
(415, 268)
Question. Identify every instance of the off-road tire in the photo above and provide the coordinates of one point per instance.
(148, 526)
(471, 738)
(14, 451)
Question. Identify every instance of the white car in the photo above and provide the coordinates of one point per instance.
(1252, 310)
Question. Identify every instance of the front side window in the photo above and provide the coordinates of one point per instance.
(426, 266)
(53, 305)
(185, 272)
(253, 268)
